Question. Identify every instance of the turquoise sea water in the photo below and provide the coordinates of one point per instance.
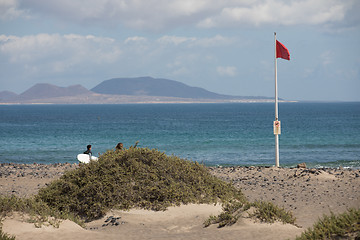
(320, 134)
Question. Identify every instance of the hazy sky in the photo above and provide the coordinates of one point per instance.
(224, 46)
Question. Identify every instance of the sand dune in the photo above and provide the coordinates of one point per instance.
(184, 222)
(308, 193)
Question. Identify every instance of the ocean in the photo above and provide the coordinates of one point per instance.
(226, 134)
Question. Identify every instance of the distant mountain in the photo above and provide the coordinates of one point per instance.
(7, 95)
(148, 86)
(45, 90)
(123, 90)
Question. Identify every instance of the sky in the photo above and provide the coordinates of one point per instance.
(223, 46)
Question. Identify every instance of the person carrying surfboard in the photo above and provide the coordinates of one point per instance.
(88, 151)
(87, 156)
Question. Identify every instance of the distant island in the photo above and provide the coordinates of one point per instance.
(122, 91)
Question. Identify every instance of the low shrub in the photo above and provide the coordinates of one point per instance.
(265, 211)
(269, 212)
(30, 206)
(38, 211)
(342, 226)
(4, 236)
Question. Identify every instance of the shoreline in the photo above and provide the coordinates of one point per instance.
(148, 102)
(207, 166)
(308, 192)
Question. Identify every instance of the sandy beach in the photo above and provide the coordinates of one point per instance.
(308, 193)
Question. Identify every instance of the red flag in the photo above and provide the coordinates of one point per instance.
(282, 51)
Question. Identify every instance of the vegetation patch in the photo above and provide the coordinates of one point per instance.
(342, 226)
(30, 206)
(4, 236)
(265, 211)
(231, 213)
(269, 212)
(135, 177)
(38, 211)
(149, 179)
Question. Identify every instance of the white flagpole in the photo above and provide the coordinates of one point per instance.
(277, 164)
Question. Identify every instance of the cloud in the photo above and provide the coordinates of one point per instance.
(160, 15)
(51, 56)
(58, 53)
(226, 71)
(136, 39)
(47, 54)
(217, 40)
(327, 57)
(153, 15)
(175, 40)
(9, 10)
(280, 12)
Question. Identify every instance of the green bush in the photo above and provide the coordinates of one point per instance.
(38, 211)
(135, 177)
(269, 212)
(265, 211)
(4, 236)
(335, 226)
(30, 206)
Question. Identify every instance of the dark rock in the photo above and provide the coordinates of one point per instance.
(301, 165)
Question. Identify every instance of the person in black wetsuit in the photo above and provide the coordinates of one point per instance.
(88, 151)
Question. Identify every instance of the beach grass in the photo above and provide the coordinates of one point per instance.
(4, 236)
(269, 212)
(38, 211)
(262, 210)
(341, 226)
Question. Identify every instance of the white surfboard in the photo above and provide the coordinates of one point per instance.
(85, 158)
